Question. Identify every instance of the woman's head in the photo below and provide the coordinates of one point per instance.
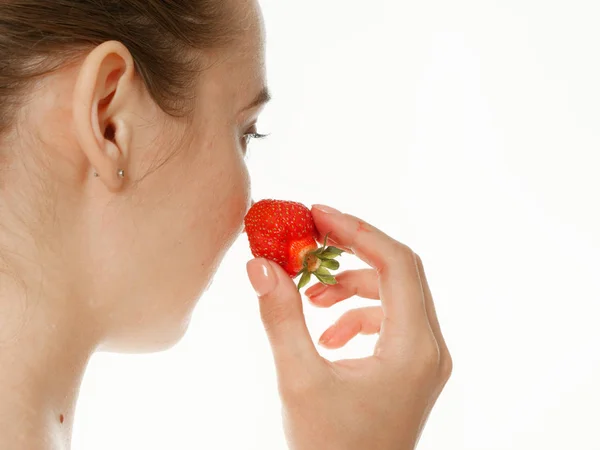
(155, 98)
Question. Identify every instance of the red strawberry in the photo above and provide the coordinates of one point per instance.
(284, 232)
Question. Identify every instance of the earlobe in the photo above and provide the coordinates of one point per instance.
(101, 97)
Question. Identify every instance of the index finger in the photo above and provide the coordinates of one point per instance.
(396, 264)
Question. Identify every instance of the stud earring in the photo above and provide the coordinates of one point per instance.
(96, 174)
(121, 173)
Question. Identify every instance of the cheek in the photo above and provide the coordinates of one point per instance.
(222, 200)
(229, 200)
(163, 247)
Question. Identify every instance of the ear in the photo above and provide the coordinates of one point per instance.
(104, 91)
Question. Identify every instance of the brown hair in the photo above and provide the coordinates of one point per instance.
(39, 36)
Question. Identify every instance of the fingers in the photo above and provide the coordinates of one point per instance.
(445, 358)
(363, 283)
(282, 316)
(399, 282)
(353, 322)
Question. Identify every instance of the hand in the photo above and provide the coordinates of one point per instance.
(378, 403)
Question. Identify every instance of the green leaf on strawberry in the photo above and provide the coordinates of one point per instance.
(330, 264)
(328, 254)
(304, 280)
(326, 279)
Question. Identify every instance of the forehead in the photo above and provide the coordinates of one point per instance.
(235, 74)
(248, 31)
(245, 55)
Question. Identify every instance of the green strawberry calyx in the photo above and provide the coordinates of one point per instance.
(319, 262)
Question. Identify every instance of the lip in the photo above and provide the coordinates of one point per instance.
(251, 205)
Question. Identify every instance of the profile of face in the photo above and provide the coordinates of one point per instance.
(137, 207)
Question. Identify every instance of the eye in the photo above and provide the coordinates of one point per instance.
(253, 133)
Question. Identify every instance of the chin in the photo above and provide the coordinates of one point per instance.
(151, 342)
(155, 337)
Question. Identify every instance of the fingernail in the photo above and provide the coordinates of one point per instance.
(326, 337)
(261, 276)
(316, 290)
(326, 209)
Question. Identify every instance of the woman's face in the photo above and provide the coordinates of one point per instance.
(156, 244)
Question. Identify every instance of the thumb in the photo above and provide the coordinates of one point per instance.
(282, 316)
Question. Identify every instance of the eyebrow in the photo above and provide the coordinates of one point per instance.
(264, 96)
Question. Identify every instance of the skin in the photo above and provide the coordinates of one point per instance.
(104, 263)
(380, 402)
(108, 263)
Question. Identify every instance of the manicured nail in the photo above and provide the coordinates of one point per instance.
(326, 337)
(261, 276)
(326, 209)
(316, 290)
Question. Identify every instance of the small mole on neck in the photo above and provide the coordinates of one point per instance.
(61, 418)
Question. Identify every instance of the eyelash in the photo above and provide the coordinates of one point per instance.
(254, 135)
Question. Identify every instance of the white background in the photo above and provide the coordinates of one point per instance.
(468, 130)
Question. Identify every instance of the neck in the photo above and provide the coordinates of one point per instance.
(44, 349)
